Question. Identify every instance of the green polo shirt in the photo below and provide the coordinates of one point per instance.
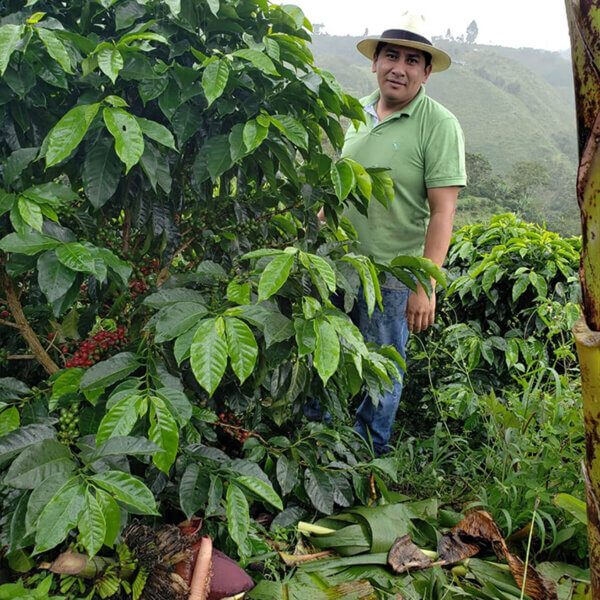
(423, 146)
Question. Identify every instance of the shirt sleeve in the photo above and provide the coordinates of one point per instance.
(445, 155)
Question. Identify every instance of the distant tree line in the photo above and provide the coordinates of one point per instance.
(534, 191)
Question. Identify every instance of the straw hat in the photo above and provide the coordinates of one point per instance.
(411, 33)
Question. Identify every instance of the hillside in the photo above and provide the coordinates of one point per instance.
(515, 105)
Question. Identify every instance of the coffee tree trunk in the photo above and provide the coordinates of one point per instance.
(584, 27)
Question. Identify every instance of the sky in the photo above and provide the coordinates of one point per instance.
(517, 23)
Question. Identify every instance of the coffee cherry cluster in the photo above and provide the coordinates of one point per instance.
(69, 423)
(92, 350)
(139, 285)
(4, 314)
(232, 425)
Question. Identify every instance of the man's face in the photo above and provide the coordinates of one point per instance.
(400, 72)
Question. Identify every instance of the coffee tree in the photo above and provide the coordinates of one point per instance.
(169, 301)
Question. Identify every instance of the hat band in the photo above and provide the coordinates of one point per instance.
(404, 34)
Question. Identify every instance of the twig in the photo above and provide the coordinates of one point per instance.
(21, 357)
(163, 275)
(14, 305)
(9, 323)
(278, 212)
(225, 427)
(528, 423)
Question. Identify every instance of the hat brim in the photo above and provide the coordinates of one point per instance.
(440, 61)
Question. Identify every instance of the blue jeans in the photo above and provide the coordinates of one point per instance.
(388, 328)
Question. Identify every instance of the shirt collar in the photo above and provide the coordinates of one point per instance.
(370, 101)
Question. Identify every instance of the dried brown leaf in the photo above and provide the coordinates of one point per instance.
(537, 587)
(405, 556)
(476, 531)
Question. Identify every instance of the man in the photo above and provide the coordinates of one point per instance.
(423, 146)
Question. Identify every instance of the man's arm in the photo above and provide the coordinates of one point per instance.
(420, 310)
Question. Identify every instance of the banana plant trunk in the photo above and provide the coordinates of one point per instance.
(584, 28)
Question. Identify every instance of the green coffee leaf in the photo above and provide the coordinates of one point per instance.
(287, 474)
(42, 494)
(76, 256)
(110, 61)
(219, 155)
(239, 292)
(277, 328)
(342, 177)
(164, 433)
(274, 275)
(306, 338)
(157, 132)
(258, 59)
(119, 420)
(127, 489)
(123, 445)
(109, 371)
(238, 515)
(362, 178)
(520, 286)
(241, 347)
(319, 489)
(214, 6)
(27, 243)
(9, 420)
(263, 490)
(10, 36)
(175, 319)
(14, 442)
(53, 277)
(59, 516)
(292, 129)
(208, 354)
(254, 134)
(129, 141)
(214, 79)
(324, 269)
(177, 403)
(349, 332)
(38, 462)
(193, 489)
(174, 6)
(67, 134)
(101, 172)
(92, 525)
(31, 213)
(327, 350)
(112, 516)
(56, 49)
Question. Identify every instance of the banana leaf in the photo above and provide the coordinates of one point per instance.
(315, 587)
(372, 528)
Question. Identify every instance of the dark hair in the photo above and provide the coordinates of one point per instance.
(381, 45)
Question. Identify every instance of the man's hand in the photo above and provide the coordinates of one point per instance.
(420, 310)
